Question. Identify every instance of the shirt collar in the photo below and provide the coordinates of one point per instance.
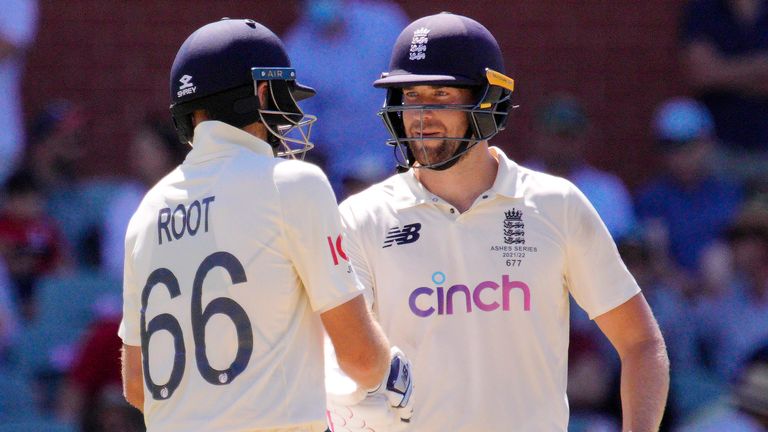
(409, 192)
(507, 181)
(214, 137)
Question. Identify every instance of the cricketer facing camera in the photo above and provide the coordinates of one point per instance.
(235, 261)
(472, 257)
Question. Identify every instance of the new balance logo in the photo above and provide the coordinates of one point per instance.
(408, 234)
(186, 87)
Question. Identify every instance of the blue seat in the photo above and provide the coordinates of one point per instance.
(17, 400)
(69, 300)
(36, 425)
(44, 350)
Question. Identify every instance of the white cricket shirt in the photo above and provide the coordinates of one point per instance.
(231, 257)
(479, 301)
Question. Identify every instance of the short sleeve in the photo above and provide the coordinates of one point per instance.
(130, 326)
(18, 22)
(356, 251)
(596, 276)
(316, 242)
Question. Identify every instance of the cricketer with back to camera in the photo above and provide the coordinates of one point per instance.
(230, 274)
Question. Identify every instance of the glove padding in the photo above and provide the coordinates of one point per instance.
(384, 409)
(398, 385)
(372, 414)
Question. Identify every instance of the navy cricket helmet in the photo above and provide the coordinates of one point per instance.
(218, 68)
(453, 51)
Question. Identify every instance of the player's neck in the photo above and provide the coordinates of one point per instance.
(257, 129)
(461, 184)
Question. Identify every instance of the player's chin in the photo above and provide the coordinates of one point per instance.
(430, 160)
(431, 146)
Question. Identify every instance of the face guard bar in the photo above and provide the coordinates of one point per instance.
(289, 128)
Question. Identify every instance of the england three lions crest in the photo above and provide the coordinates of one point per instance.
(418, 50)
(514, 228)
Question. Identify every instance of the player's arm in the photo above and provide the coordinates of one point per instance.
(613, 299)
(708, 69)
(635, 334)
(315, 243)
(361, 348)
(130, 326)
(133, 378)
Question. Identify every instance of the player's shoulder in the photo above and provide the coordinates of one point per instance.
(302, 185)
(301, 178)
(533, 184)
(297, 171)
(155, 196)
(153, 200)
(378, 195)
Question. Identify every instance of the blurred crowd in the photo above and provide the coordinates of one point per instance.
(695, 236)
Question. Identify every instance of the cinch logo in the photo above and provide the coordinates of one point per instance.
(186, 86)
(409, 234)
(422, 300)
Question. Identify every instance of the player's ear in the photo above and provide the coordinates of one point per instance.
(199, 116)
(262, 90)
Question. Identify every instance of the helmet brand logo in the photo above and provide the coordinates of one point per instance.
(418, 49)
(186, 87)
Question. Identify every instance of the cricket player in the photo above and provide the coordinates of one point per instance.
(235, 261)
(472, 257)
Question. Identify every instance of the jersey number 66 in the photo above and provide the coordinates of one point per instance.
(200, 317)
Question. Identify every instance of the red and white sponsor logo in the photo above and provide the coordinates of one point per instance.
(336, 249)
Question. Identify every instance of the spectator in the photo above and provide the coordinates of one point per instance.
(154, 151)
(94, 374)
(55, 157)
(688, 204)
(725, 50)
(56, 138)
(665, 297)
(733, 324)
(668, 298)
(66, 306)
(9, 319)
(112, 413)
(561, 138)
(341, 46)
(592, 382)
(18, 24)
(747, 407)
(30, 242)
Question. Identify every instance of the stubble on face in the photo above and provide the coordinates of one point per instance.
(434, 133)
(433, 151)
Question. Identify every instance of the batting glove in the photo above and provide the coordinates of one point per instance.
(372, 414)
(398, 385)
